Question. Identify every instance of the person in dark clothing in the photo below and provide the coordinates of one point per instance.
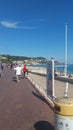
(0, 72)
(2, 67)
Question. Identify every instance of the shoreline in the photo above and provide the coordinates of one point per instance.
(43, 72)
(60, 69)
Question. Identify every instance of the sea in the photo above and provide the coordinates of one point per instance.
(58, 68)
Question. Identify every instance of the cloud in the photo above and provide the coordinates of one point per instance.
(15, 25)
(9, 24)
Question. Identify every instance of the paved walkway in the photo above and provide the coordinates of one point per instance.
(21, 107)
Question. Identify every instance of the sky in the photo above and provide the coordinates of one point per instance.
(35, 28)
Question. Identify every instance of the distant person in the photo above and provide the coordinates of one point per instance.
(0, 72)
(11, 66)
(24, 70)
(2, 67)
(55, 73)
(27, 69)
(18, 72)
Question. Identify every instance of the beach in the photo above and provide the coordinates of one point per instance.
(60, 69)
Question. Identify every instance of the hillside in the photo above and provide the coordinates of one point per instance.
(10, 59)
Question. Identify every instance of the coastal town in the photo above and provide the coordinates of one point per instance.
(24, 59)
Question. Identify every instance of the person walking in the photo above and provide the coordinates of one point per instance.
(2, 67)
(18, 72)
(24, 70)
(0, 72)
(27, 69)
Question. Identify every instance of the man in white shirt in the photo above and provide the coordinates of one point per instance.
(18, 72)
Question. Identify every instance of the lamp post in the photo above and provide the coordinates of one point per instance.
(66, 88)
(66, 50)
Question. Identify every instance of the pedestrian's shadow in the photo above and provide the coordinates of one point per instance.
(43, 125)
(14, 79)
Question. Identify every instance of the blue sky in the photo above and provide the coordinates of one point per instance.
(36, 28)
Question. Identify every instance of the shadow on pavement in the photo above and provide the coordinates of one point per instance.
(39, 96)
(42, 98)
(43, 125)
(14, 79)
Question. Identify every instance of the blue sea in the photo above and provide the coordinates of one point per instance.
(59, 67)
(62, 68)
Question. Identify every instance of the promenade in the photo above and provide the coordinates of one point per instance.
(21, 106)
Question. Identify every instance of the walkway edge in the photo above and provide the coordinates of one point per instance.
(48, 100)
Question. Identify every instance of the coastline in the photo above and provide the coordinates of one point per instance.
(58, 74)
(59, 68)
